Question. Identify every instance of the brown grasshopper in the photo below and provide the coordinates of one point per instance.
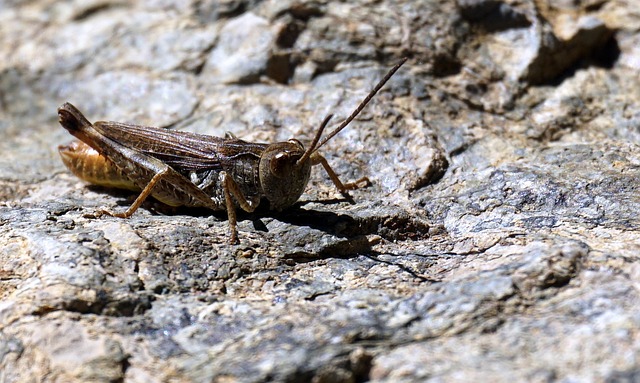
(187, 169)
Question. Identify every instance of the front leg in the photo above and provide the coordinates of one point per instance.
(342, 188)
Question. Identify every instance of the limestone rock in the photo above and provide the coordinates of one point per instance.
(498, 240)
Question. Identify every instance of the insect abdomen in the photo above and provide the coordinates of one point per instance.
(88, 165)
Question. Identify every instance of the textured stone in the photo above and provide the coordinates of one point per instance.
(242, 52)
(498, 240)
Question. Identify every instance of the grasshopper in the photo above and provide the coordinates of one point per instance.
(187, 169)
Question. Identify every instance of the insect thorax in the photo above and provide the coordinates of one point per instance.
(242, 173)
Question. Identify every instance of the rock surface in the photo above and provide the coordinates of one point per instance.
(499, 240)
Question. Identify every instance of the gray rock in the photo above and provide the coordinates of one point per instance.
(496, 242)
(243, 50)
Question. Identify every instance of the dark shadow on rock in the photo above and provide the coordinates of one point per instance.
(560, 60)
(344, 249)
(375, 256)
(607, 55)
(337, 224)
(389, 225)
(492, 15)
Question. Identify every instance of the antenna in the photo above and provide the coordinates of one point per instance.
(360, 107)
(312, 147)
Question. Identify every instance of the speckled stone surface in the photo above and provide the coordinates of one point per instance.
(499, 240)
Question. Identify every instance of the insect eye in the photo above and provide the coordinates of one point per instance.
(279, 163)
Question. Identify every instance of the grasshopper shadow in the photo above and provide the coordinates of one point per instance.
(340, 225)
